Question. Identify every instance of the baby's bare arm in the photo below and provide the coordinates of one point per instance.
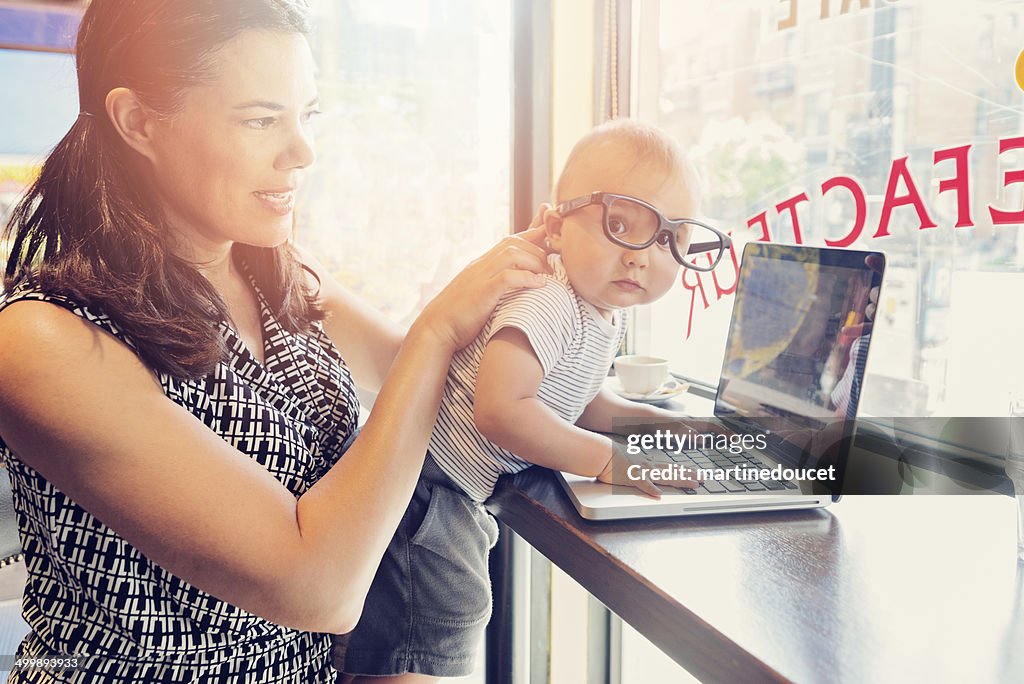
(606, 406)
(507, 411)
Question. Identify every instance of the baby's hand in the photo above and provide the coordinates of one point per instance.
(618, 472)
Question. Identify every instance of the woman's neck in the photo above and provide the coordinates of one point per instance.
(219, 269)
(210, 255)
(212, 260)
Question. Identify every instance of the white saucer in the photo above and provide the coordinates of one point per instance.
(670, 389)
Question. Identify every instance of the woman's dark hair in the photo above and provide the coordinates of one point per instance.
(89, 228)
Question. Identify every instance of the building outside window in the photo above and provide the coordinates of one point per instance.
(885, 124)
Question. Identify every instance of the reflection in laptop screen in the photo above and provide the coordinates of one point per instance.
(800, 330)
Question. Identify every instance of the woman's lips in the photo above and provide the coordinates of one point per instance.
(280, 203)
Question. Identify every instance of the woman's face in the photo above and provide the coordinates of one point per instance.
(227, 165)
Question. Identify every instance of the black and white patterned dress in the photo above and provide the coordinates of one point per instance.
(91, 593)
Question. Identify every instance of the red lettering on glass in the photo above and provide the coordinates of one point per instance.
(697, 285)
(790, 205)
(960, 182)
(762, 219)
(723, 291)
(789, 21)
(860, 202)
(896, 172)
(864, 4)
(1000, 217)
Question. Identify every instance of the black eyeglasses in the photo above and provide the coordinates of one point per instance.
(634, 224)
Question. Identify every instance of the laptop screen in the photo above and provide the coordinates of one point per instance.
(799, 336)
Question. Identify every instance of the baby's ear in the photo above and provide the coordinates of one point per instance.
(553, 228)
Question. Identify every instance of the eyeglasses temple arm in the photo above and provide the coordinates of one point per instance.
(578, 203)
(696, 248)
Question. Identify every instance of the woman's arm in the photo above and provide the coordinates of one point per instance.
(79, 407)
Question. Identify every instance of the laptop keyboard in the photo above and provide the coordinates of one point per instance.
(719, 460)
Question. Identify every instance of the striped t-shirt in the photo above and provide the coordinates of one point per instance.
(575, 345)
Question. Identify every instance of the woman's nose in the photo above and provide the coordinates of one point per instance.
(301, 152)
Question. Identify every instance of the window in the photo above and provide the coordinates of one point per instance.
(412, 179)
(38, 93)
(881, 124)
(39, 101)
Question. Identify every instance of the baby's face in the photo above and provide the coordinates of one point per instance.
(609, 276)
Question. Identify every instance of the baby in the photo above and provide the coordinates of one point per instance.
(529, 391)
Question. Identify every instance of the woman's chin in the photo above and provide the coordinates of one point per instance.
(270, 236)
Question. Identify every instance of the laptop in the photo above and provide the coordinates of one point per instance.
(792, 374)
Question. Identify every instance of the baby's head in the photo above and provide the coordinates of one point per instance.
(621, 157)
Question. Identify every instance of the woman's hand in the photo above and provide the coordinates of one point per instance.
(456, 315)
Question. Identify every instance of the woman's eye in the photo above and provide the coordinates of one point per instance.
(308, 116)
(260, 124)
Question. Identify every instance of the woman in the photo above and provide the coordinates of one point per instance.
(173, 399)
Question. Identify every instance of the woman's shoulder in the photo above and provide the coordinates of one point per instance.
(53, 308)
(29, 291)
(48, 352)
(36, 321)
(40, 325)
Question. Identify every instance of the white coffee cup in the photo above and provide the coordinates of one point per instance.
(641, 374)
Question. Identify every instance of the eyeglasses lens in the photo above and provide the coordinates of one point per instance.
(631, 222)
(635, 224)
(700, 246)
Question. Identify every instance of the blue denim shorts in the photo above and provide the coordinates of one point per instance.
(430, 601)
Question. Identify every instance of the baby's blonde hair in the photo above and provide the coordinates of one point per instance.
(650, 144)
